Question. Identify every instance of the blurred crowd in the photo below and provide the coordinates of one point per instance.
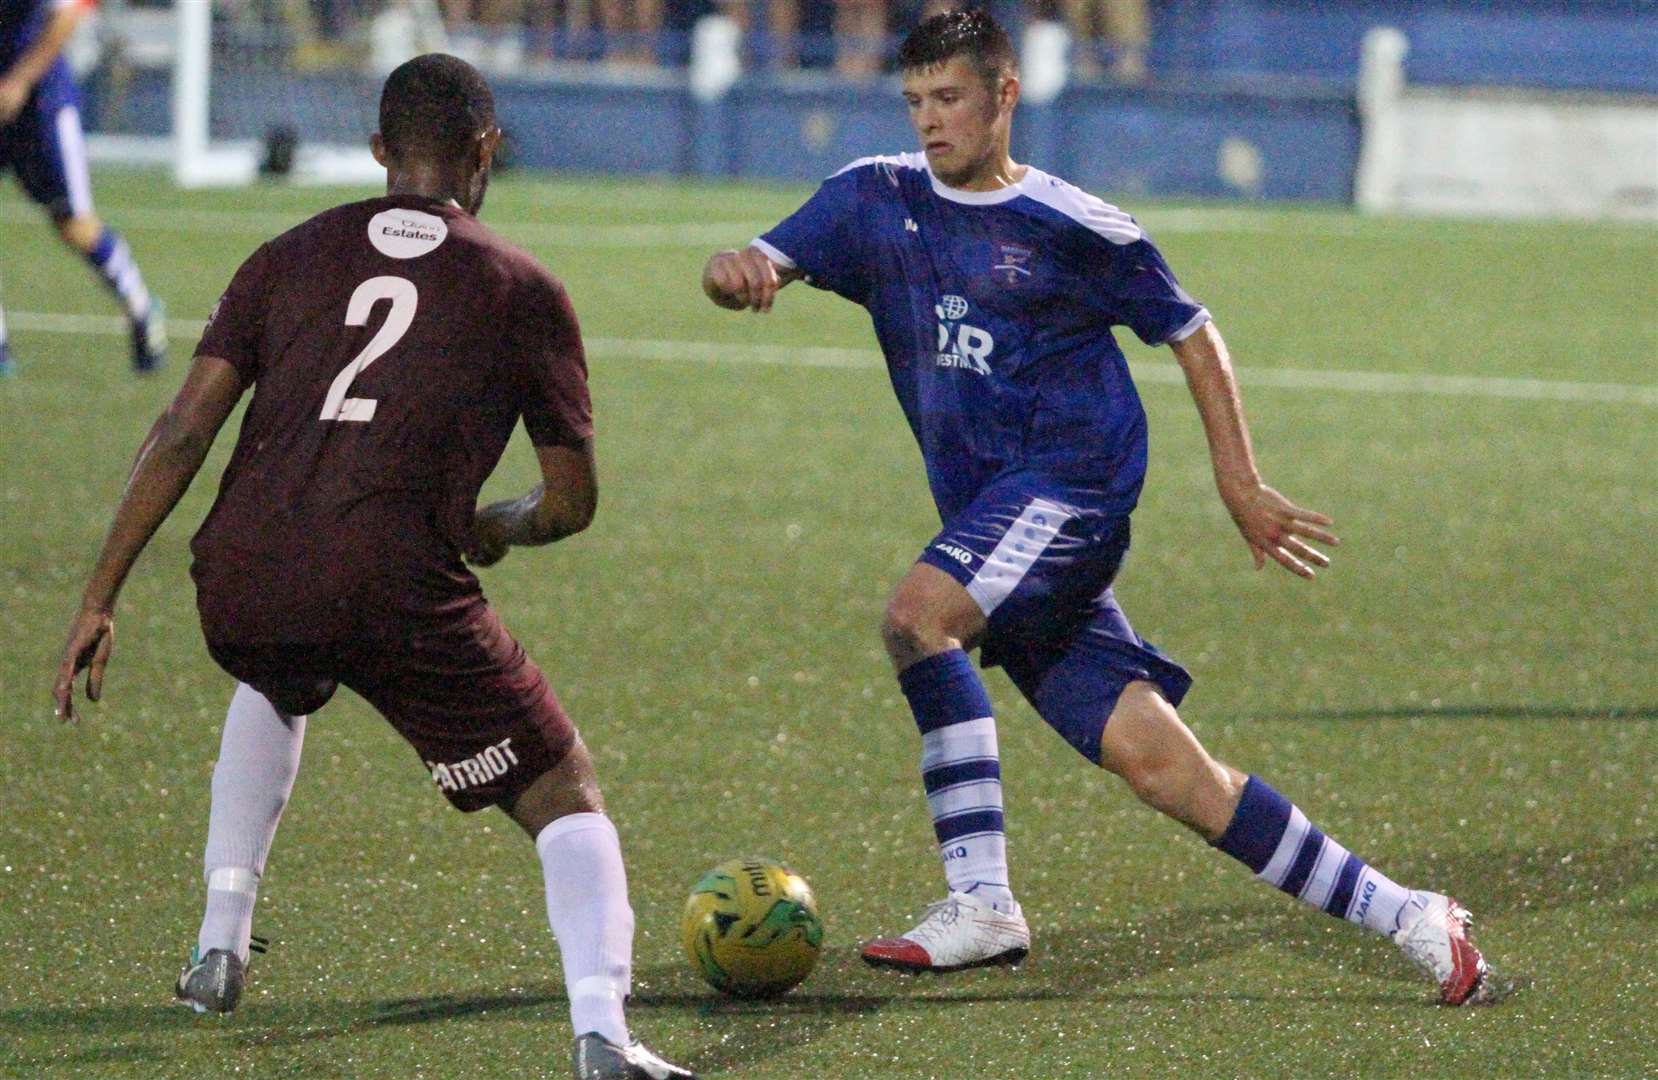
(855, 38)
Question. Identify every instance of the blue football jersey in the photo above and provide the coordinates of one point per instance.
(994, 311)
(21, 24)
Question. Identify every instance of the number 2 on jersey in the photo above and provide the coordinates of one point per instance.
(404, 298)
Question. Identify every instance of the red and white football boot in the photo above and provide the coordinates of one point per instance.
(1433, 932)
(961, 931)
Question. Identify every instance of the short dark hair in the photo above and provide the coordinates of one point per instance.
(968, 32)
(434, 105)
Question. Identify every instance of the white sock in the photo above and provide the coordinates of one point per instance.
(587, 906)
(258, 760)
(961, 771)
(1377, 901)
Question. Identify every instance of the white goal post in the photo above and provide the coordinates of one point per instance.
(1488, 152)
(227, 76)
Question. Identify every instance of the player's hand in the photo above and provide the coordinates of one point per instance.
(91, 637)
(14, 94)
(1276, 528)
(489, 535)
(741, 279)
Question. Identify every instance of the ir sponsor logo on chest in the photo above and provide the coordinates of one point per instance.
(959, 344)
(480, 768)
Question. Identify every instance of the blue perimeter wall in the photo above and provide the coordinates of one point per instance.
(1269, 82)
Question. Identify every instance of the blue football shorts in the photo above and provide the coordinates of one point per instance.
(46, 148)
(1041, 567)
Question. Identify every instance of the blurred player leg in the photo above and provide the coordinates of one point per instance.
(6, 367)
(258, 760)
(102, 247)
(860, 29)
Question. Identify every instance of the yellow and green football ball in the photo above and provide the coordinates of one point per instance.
(751, 928)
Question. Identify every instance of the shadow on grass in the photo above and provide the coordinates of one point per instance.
(1087, 963)
(1509, 882)
(88, 1061)
(1470, 712)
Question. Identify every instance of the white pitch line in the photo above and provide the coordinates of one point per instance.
(714, 352)
(48, 322)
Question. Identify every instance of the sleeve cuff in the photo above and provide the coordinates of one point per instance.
(1193, 326)
(772, 253)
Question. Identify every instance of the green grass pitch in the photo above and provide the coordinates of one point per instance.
(1468, 697)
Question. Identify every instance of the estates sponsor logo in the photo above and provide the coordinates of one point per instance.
(406, 234)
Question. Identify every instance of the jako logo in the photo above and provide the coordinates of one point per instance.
(961, 555)
(1369, 895)
(961, 345)
(957, 852)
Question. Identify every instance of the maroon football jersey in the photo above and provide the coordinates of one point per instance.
(392, 346)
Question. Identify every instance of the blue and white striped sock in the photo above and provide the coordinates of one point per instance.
(113, 260)
(962, 773)
(1272, 837)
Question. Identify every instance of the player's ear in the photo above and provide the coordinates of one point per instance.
(1010, 94)
(377, 147)
(489, 141)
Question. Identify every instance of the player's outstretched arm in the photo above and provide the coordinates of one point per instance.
(167, 462)
(18, 81)
(744, 279)
(1271, 525)
(561, 505)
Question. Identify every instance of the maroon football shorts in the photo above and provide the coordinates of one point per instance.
(459, 689)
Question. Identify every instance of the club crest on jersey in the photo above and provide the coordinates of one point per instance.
(960, 345)
(406, 234)
(1012, 263)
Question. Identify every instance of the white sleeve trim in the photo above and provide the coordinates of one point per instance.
(1087, 210)
(772, 253)
(1190, 328)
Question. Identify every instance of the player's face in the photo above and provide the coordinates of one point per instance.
(962, 122)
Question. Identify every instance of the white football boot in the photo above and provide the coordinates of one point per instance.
(960, 931)
(1433, 932)
(595, 1057)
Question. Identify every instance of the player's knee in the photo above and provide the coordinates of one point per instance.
(908, 631)
(1163, 782)
(80, 233)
